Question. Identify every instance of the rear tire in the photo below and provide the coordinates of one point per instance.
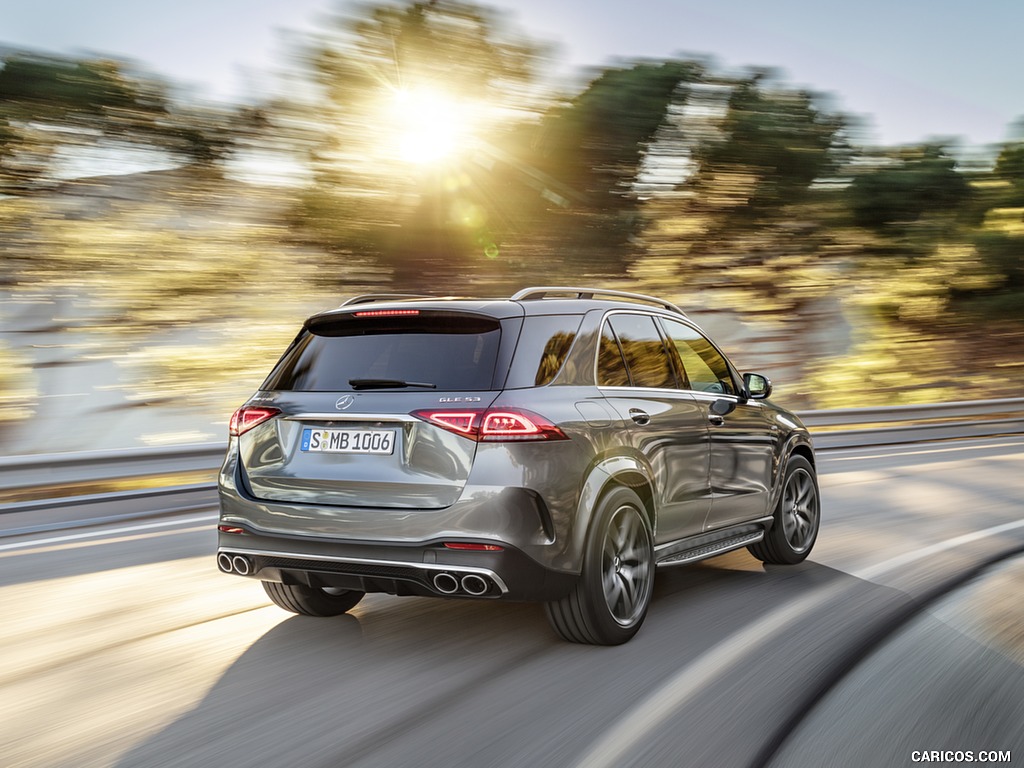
(796, 519)
(311, 601)
(609, 601)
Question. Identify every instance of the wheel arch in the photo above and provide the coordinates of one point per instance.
(798, 444)
(615, 472)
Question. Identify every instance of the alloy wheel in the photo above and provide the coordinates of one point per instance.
(626, 566)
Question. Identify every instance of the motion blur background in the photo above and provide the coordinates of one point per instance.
(173, 205)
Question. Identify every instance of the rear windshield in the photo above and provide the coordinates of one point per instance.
(453, 352)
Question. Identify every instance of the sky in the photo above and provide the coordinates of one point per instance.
(910, 69)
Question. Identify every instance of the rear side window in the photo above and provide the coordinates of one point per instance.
(454, 352)
(543, 346)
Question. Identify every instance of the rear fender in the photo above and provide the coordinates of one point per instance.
(613, 471)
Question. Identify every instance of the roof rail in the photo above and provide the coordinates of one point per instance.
(543, 292)
(369, 298)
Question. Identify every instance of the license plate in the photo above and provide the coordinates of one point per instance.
(380, 441)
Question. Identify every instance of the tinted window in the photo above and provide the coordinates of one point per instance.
(543, 346)
(453, 352)
(705, 368)
(611, 368)
(646, 357)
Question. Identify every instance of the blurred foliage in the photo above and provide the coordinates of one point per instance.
(913, 185)
(754, 215)
(48, 103)
(436, 155)
(773, 143)
(590, 152)
(392, 87)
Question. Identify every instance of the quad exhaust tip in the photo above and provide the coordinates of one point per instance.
(234, 564)
(474, 585)
(469, 584)
(446, 583)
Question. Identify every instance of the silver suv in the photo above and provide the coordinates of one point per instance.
(557, 446)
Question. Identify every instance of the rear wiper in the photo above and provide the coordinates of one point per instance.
(387, 384)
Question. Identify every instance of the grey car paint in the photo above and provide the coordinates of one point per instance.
(694, 470)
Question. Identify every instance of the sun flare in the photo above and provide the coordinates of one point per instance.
(429, 126)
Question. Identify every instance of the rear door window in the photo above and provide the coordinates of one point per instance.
(611, 367)
(451, 351)
(646, 357)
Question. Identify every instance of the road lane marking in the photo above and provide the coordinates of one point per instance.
(874, 571)
(897, 451)
(107, 532)
(622, 739)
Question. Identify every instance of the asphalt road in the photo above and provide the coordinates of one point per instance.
(124, 646)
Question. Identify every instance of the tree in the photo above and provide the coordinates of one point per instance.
(1009, 168)
(409, 102)
(747, 213)
(771, 144)
(49, 102)
(594, 147)
(918, 182)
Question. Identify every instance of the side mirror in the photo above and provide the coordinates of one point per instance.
(758, 387)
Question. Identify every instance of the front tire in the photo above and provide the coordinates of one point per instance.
(796, 520)
(611, 597)
(312, 601)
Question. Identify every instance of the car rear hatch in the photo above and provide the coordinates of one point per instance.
(347, 390)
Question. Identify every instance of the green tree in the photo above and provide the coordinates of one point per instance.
(917, 183)
(47, 103)
(748, 214)
(595, 146)
(1009, 168)
(771, 144)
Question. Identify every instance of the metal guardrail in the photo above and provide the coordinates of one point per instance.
(831, 429)
(93, 466)
(895, 424)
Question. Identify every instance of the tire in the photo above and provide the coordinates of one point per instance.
(609, 601)
(311, 601)
(796, 519)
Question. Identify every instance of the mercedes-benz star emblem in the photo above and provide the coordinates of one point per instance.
(345, 401)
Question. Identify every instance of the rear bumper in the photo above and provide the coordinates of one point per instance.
(427, 568)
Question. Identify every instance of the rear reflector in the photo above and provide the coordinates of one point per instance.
(472, 547)
(230, 529)
(249, 416)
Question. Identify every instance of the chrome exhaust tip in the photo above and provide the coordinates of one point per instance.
(241, 565)
(446, 584)
(475, 585)
(224, 562)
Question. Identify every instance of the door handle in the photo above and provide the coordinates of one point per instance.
(640, 417)
(719, 410)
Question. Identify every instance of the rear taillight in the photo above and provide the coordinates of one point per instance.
(248, 416)
(493, 424)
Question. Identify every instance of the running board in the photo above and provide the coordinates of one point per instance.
(710, 550)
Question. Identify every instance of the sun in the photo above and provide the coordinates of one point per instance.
(429, 126)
